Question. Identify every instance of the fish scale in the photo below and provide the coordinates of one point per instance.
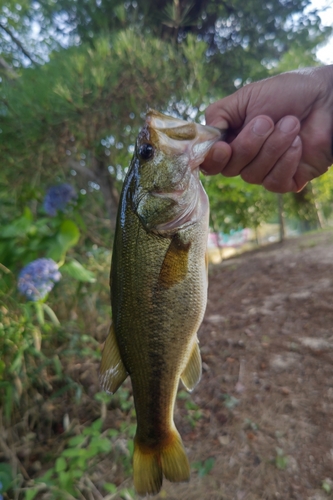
(159, 289)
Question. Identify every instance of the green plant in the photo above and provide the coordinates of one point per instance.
(6, 478)
(194, 412)
(203, 468)
(69, 477)
(230, 401)
(327, 485)
(281, 460)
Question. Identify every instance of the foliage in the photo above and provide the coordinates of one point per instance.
(281, 461)
(204, 467)
(69, 474)
(78, 114)
(193, 411)
(235, 204)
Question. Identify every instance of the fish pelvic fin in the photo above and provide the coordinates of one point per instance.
(150, 464)
(112, 372)
(192, 374)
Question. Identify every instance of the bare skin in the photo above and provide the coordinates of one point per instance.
(280, 130)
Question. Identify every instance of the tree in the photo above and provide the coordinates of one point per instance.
(78, 113)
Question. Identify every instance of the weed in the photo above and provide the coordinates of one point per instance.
(70, 474)
(194, 413)
(230, 401)
(203, 468)
(281, 461)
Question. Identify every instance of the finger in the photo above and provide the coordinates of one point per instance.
(280, 179)
(215, 116)
(217, 158)
(248, 143)
(305, 173)
(274, 147)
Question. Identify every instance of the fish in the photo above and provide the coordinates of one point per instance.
(159, 289)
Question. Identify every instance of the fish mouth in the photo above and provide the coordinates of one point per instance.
(179, 137)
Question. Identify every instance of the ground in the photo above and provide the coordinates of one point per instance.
(266, 393)
(259, 425)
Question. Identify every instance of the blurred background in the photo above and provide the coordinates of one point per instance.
(76, 78)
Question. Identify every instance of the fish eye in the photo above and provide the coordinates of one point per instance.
(146, 151)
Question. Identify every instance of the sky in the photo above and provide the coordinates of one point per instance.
(325, 53)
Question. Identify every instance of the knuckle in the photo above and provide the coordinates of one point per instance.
(249, 175)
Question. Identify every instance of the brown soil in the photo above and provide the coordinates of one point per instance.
(266, 393)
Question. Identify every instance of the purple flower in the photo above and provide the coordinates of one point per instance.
(58, 197)
(37, 278)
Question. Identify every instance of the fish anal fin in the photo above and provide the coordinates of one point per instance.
(192, 373)
(175, 265)
(112, 372)
(149, 464)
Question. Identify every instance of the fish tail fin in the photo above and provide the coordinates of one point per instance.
(175, 464)
(149, 465)
(147, 470)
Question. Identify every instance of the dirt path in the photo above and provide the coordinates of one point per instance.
(264, 428)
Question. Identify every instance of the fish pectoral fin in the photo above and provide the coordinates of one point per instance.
(112, 372)
(192, 373)
(175, 265)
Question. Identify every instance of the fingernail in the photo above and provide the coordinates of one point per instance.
(296, 142)
(287, 124)
(261, 126)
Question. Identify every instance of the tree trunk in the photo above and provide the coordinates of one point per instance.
(281, 219)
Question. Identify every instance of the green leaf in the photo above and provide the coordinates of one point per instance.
(78, 272)
(77, 440)
(110, 487)
(30, 494)
(55, 251)
(281, 461)
(60, 464)
(71, 452)
(19, 227)
(325, 486)
(68, 235)
(51, 314)
(6, 477)
(39, 312)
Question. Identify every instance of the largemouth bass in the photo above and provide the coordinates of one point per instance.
(159, 289)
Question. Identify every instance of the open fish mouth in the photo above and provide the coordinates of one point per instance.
(176, 136)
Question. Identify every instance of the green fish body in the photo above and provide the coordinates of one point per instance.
(159, 289)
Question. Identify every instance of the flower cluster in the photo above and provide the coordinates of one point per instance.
(37, 279)
(58, 197)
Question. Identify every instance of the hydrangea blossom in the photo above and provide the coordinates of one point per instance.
(37, 278)
(58, 197)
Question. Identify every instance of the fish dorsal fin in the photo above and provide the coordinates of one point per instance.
(192, 373)
(112, 372)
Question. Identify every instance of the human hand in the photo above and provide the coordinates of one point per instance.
(279, 130)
